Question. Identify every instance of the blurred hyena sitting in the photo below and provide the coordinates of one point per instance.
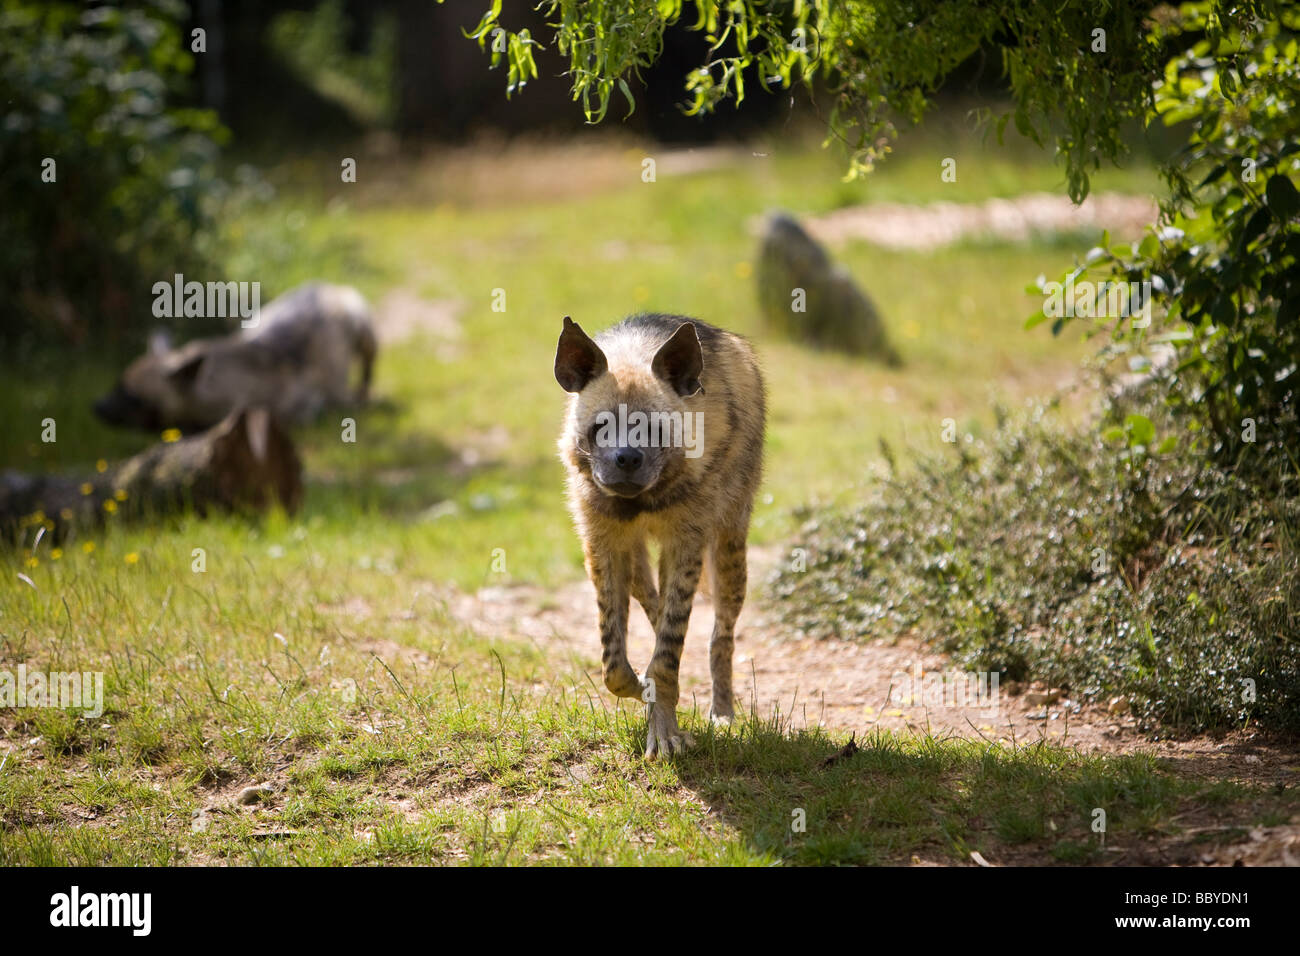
(808, 298)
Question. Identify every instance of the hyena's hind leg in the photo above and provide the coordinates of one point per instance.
(643, 583)
(728, 569)
(610, 575)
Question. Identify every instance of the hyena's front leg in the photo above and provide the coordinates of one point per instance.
(609, 574)
(679, 576)
(729, 573)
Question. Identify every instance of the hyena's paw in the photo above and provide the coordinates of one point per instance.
(623, 682)
(663, 737)
(721, 712)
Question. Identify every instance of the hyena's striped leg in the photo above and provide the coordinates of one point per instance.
(680, 566)
(727, 561)
(609, 574)
(643, 584)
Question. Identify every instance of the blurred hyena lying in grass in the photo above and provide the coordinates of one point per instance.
(296, 362)
(664, 439)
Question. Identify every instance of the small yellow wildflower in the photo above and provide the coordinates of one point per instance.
(110, 505)
(120, 494)
(56, 553)
(33, 562)
(88, 547)
(171, 435)
(87, 488)
(66, 514)
(101, 466)
(133, 558)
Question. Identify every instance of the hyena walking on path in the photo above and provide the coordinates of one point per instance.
(682, 466)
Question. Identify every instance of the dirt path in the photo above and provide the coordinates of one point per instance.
(1018, 219)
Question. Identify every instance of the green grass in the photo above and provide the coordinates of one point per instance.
(389, 732)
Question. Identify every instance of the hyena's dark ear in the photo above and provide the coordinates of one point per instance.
(680, 361)
(578, 359)
(184, 374)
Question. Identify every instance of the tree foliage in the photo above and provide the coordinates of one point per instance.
(880, 60)
(1226, 262)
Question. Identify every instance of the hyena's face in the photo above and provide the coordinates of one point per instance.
(630, 424)
(154, 392)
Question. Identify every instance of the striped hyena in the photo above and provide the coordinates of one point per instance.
(664, 439)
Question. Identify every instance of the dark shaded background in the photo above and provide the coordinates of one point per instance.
(446, 91)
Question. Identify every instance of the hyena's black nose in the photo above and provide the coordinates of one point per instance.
(628, 459)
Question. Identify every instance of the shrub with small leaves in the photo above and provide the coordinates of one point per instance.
(1041, 554)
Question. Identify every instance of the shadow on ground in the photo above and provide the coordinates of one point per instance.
(903, 799)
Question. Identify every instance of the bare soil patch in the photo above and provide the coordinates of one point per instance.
(913, 227)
